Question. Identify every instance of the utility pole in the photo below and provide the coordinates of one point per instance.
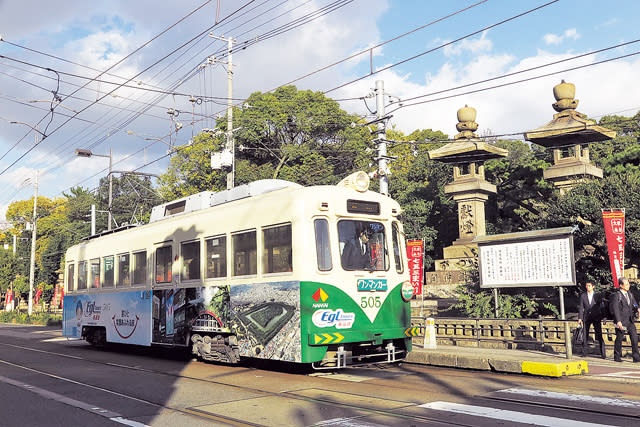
(32, 268)
(230, 143)
(380, 138)
(110, 186)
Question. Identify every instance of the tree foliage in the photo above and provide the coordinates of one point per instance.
(295, 135)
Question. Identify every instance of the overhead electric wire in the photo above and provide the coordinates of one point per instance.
(130, 79)
(504, 21)
(517, 81)
(383, 43)
(572, 58)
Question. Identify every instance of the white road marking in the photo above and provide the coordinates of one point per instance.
(627, 403)
(346, 422)
(341, 377)
(128, 422)
(505, 415)
(42, 351)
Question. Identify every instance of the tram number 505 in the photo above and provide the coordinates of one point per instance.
(370, 302)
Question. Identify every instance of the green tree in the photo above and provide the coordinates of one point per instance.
(582, 206)
(133, 197)
(417, 183)
(290, 134)
(8, 269)
(521, 190)
(622, 153)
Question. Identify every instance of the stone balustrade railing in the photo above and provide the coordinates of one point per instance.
(530, 334)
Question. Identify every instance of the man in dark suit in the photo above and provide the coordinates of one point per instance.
(589, 314)
(357, 253)
(625, 309)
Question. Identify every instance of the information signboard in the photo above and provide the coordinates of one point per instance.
(532, 258)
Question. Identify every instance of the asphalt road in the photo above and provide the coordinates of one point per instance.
(46, 380)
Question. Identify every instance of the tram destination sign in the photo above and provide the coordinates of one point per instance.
(532, 258)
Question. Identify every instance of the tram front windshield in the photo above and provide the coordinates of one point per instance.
(362, 245)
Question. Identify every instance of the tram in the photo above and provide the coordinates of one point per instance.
(270, 270)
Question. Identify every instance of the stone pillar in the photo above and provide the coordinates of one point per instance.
(469, 188)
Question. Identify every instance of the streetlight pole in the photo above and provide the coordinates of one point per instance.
(32, 264)
(81, 152)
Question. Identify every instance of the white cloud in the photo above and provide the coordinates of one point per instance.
(474, 46)
(555, 39)
(552, 39)
(511, 109)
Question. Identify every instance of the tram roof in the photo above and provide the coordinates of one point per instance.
(207, 199)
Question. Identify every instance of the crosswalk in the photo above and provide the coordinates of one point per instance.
(541, 408)
(507, 415)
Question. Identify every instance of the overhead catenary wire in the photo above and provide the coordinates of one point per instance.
(131, 78)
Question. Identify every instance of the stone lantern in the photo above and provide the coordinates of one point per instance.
(469, 188)
(569, 134)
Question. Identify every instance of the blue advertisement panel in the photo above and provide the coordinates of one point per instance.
(126, 316)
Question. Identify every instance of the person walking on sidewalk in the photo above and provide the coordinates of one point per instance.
(589, 314)
(625, 309)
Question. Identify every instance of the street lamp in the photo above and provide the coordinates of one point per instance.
(81, 152)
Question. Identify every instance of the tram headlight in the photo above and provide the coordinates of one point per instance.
(359, 181)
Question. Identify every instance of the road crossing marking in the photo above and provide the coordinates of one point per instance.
(627, 403)
(621, 374)
(506, 415)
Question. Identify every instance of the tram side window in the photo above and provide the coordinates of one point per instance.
(397, 248)
(216, 257)
(82, 275)
(124, 270)
(95, 273)
(70, 278)
(140, 268)
(276, 254)
(244, 253)
(190, 260)
(107, 270)
(163, 265)
(323, 248)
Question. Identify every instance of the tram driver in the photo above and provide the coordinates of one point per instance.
(357, 253)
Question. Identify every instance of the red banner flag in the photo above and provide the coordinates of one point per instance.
(54, 301)
(415, 249)
(38, 295)
(8, 299)
(614, 232)
(62, 297)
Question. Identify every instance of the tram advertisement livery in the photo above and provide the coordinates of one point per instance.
(126, 316)
(270, 270)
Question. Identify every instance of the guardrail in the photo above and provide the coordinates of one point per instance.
(530, 334)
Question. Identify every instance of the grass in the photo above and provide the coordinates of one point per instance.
(47, 319)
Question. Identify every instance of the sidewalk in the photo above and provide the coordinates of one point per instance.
(523, 362)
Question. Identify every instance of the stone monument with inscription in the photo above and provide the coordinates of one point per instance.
(469, 188)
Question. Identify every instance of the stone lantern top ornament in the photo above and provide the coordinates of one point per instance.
(568, 127)
(466, 148)
(564, 94)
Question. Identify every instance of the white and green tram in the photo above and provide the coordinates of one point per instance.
(269, 270)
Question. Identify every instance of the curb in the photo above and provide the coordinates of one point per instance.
(498, 364)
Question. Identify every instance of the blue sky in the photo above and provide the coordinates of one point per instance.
(75, 35)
